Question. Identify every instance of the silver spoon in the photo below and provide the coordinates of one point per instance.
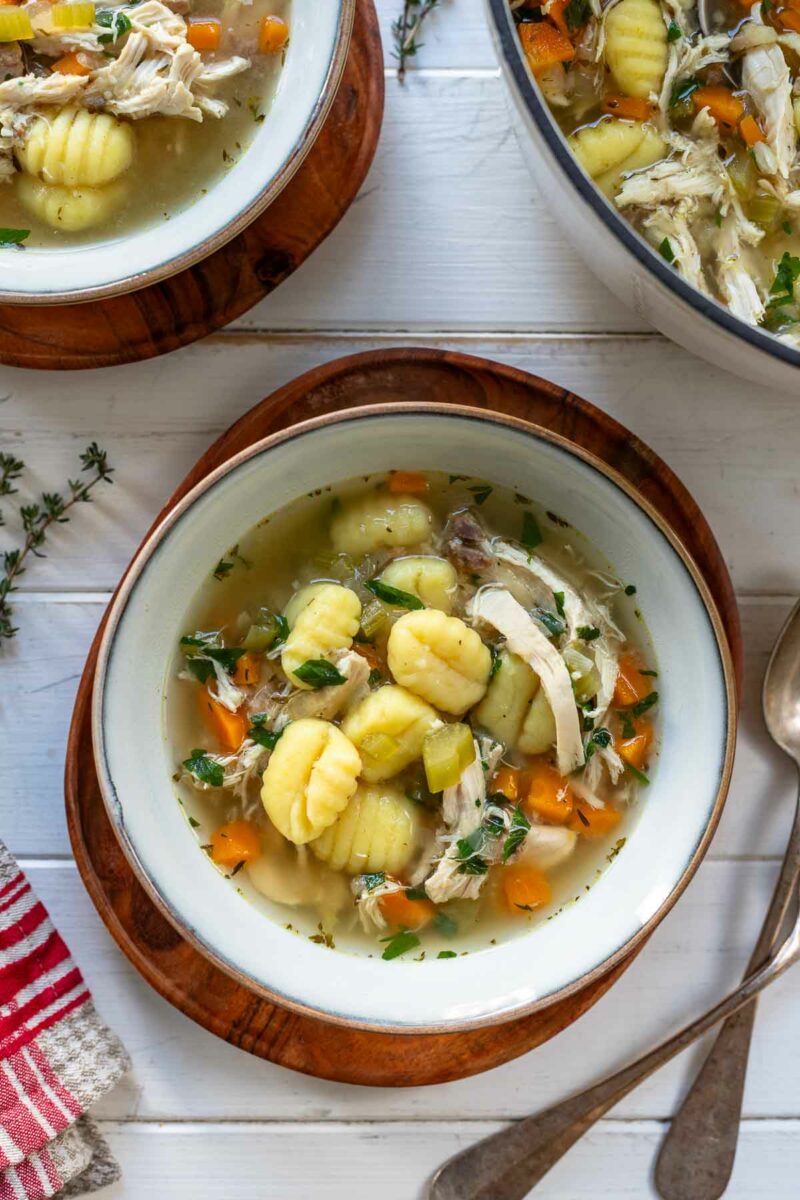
(507, 1165)
(701, 1144)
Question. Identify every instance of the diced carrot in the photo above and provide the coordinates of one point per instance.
(510, 782)
(273, 35)
(789, 19)
(631, 685)
(203, 33)
(70, 64)
(630, 108)
(234, 843)
(544, 45)
(633, 750)
(525, 888)
(549, 795)
(556, 15)
(248, 670)
(749, 128)
(371, 655)
(409, 914)
(410, 483)
(593, 822)
(725, 108)
(230, 728)
(4, 2)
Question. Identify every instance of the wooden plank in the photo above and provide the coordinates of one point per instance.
(737, 456)
(340, 1162)
(181, 1072)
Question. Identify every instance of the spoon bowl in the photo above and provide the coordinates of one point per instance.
(781, 694)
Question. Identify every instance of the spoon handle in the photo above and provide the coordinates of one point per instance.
(506, 1165)
(700, 1146)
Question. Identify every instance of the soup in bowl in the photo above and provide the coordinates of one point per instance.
(162, 127)
(399, 718)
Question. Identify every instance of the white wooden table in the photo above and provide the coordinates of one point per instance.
(447, 245)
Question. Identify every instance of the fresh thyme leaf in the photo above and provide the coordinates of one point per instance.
(37, 519)
(582, 817)
(637, 774)
(552, 623)
(445, 924)
(405, 31)
(673, 31)
(517, 832)
(481, 493)
(642, 705)
(203, 767)
(393, 595)
(588, 633)
(531, 535)
(559, 599)
(399, 943)
(319, 673)
(557, 520)
(13, 237)
(373, 879)
(654, 674)
(666, 251)
(447, 954)
(237, 868)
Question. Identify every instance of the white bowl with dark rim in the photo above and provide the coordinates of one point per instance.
(620, 257)
(676, 815)
(306, 87)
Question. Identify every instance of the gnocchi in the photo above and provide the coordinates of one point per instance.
(378, 519)
(432, 580)
(310, 777)
(505, 705)
(538, 732)
(77, 148)
(70, 209)
(323, 618)
(610, 148)
(440, 659)
(636, 46)
(388, 728)
(378, 831)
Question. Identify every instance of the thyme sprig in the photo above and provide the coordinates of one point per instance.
(37, 519)
(406, 30)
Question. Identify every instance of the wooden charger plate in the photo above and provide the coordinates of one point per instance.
(174, 968)
(210, 294)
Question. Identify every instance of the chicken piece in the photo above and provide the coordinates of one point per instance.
(29, 90)
(328, 702)
(465, 543)
(463, 811)
(765, 76)
(674, 226)
(11, 63)
(735, 281)
(686, 58)
(499, 608)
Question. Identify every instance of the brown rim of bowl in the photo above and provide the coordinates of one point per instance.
(143, 557)
(309, 134)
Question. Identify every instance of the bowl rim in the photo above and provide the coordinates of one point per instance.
(508, 42)
(411, 409)
(137, 280)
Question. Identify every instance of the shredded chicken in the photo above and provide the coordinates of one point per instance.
(765, 76)
(734, 279)
(673, 224)
(330, 702)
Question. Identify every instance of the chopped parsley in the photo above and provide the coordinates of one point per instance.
(517, 832)
(222, 569)
(13, 237)
(468, 851)
(531, 535)
(319, 673)
(205, 768)
(628, 727)
(201, 652)
(559, 599)
(588, 633)
(637, 774)
(786, 227)
(445, 924)
(399, 943)
(393, 595)
(654, 674)
(630, 590)
(682, 91)
(552, 623)
(481, 493)
(642, 705)
(782, 289)
(194, 824)
(673, 31)
(374, 677)
(666, 251)
(263, 737)
(116, 21)
(447, 954)
(416, 893)
(374, 879)
(600, 738)
(576, 14)
(497, 662)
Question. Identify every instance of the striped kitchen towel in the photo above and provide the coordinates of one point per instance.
(56, 1056)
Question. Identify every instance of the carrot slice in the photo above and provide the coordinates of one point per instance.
(549, 795)
(273, 35)
(726, 109)
(234, 843)
(70, 64)
(399, 910)
(203, 33)
(749, 128)
(630, 108)
(631, 685)
(633, 750)
(593, 822)
(248, 670)
(525, 888)
(230, 728)
(544, 45)
(510, 782)
(410, 483)
(790, 19)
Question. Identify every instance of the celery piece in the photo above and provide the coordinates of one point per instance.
(380, 747)
(446, 753)
(72, 16)
(15, 24)
(374, 618)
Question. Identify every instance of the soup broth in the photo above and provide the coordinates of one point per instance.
(693, 138)
(95, 151)
(411, 715)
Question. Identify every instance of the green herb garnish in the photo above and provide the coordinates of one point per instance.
(374, 677)
(588, 633)
(222, 569)
(203, 767)
(642, 705)
(468, 851)
(517, 832)
(447, 954)
(116, 21)
(481, 493)
(552, 623)
(13, 237)
(399, 943)
(374, 879)
(630, 590)
(637, 774)
(673, 31)
(576, 14)
(268, 738)
(666, 251)
(417, 893)
(628, 727)
(497, 662)
(682, 91)
(600, 739)
(319, 673)
(531, 535)
(393, 595)
(559, 599)
(445, 924)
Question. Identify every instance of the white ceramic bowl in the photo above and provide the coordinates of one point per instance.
(678, 812)
(307, 84)
(612, 248)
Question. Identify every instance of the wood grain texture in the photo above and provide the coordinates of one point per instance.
(203, 298)
(176, 969)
